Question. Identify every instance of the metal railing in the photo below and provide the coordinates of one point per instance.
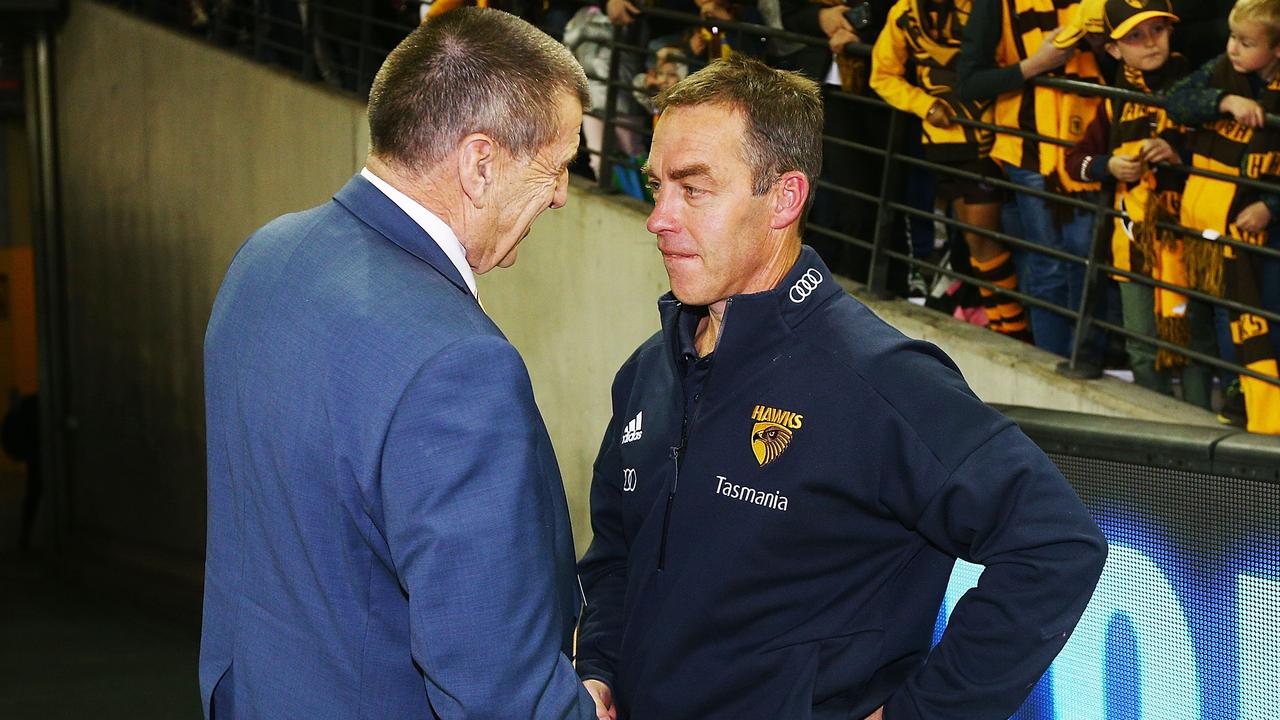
(344, 42)
(888, 202)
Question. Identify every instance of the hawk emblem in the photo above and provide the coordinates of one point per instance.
(768, 441)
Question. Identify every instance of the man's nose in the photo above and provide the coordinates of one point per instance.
(663, 218)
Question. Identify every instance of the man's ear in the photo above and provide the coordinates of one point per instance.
(789, 196)
(477, 155)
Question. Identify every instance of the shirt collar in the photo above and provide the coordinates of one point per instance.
(431, 223)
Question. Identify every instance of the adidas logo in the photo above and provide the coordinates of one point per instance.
(633, 431)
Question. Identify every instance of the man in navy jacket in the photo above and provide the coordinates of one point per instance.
(388, 535)
(787, 481)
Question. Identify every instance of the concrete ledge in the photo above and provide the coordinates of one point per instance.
(1004, 371)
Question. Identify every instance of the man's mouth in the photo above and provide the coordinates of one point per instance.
(674, 254)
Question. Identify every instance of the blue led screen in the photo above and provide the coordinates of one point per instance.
(1185, 623)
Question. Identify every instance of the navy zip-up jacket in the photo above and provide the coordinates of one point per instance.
(782, 551)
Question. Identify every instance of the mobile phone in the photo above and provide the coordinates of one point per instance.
(859, 16)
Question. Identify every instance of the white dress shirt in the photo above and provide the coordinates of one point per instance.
(432, 224)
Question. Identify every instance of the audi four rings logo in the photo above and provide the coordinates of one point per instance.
(628, 479)
(805, 286)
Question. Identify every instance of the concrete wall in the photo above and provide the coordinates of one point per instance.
(173, 151)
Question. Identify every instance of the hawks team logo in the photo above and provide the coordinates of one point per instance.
(1137, 4)
(772, 432)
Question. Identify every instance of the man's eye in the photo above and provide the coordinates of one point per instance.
(653, 186)
(692, 191)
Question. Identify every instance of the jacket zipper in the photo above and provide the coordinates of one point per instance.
(677, 454)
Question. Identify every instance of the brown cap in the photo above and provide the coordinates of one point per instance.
(1087, 19)
(1122, 16)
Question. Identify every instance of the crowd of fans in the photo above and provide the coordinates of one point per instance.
(960, 70)
(963, 69)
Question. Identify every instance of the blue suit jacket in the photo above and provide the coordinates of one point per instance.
(388, 535)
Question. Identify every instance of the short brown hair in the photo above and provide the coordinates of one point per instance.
(783, 112)
(470, 70)
(1263, 12)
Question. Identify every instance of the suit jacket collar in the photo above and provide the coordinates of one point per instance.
(367, 202)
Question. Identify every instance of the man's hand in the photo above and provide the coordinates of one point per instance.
(1254, 218)
(939, 114)
(1125, 168)
(1046, 57)
(877, 715)
(621, 12)
(1159, 150)
(832, 19)
(1246, 112)
(604, 699)
(841, 38)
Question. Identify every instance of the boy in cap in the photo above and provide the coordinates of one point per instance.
(1243, 83)
(1124, 143)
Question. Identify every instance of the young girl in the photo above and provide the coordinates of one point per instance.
(926, 35)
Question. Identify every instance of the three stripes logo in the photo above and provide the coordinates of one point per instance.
(633, 431)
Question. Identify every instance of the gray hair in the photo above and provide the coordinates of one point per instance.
(470, 70)
(783, 112)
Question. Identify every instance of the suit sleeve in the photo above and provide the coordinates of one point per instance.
(1005, 507)
(889, 68)
(469, 523)
(603, 568)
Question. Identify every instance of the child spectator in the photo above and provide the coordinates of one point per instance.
(1124, 142)
(1243, 84)
(1005, 43)
(926, 35)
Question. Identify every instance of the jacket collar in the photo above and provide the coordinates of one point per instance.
(367, 202)
(755, 322)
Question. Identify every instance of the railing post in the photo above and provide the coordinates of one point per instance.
(306, 16)
(1074, 368)
(57, 425)
(609, 140)
(259, 30)
(359, 83)
(878, 269)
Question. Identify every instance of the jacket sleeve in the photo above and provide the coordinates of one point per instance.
(1086, 161)
(1005, 507)
(889, 59)
(979, 76)
(468, 520)
(1193, 100)
(801, 16)
(603, 569)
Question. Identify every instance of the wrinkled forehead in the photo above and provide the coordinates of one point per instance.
(709, 135)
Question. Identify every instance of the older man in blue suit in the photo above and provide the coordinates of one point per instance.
(388, 534)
